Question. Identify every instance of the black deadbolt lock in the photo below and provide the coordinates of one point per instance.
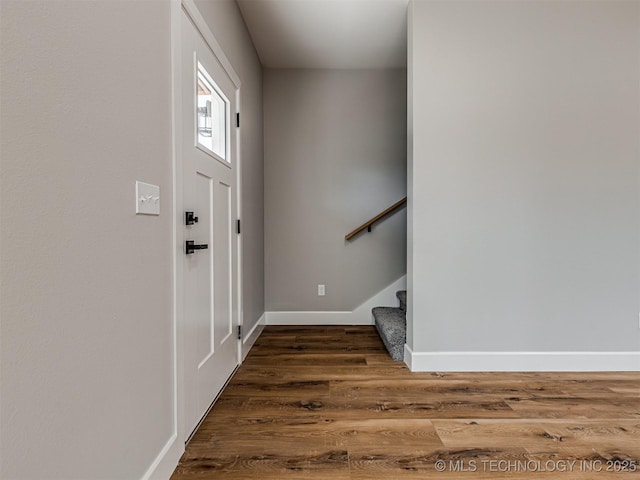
(190, 218)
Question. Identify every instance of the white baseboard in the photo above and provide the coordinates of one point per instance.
(252, 335)
(522, 361)
(361, 315)
(309, 318)
(166, 461)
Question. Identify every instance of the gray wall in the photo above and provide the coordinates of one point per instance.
(335, 155)
(524, 221)
(86, 285)
(86, 310)
(226, 23)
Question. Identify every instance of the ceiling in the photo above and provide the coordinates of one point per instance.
(335, 34)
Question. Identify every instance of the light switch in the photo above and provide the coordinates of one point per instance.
(147, 199)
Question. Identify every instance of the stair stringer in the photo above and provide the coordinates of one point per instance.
(386, 296)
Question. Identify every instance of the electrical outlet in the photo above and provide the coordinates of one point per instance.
(321, 290)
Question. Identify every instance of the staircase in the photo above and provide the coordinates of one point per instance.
(391, 323)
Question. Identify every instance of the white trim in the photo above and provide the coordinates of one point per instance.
(310, 318)
(252, 335)
(384, 298)
(522, 361)
(239, 237)
(164, 464)
(248, 338)
(201, 24)
(361, 315)
(167, 459)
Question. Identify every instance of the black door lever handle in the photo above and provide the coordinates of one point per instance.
(190, 247)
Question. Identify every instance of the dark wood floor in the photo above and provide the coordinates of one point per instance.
(328, 403)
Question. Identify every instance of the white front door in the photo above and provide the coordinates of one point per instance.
(210, 265)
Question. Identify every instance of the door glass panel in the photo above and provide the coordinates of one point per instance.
(212, 115)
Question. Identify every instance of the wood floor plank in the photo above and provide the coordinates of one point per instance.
(259, 372)
(492, 433)
(313, 435)
(327, 403)
(577, 407)
(543, 436)
(376, 407)
(276, 388)
(295, 359)
(632, 390)
(330, 464)
(433, 388)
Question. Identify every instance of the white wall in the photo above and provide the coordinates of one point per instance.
(524, 180)
(335, 156)
(226, 23)
(86, 308)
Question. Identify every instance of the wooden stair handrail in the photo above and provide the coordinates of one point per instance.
(375, 219)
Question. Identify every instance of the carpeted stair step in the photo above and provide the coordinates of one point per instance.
(402, 296)
(392, 327)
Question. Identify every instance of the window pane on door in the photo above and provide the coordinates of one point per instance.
(212, 115)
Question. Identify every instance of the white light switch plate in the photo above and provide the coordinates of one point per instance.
(147, 199)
